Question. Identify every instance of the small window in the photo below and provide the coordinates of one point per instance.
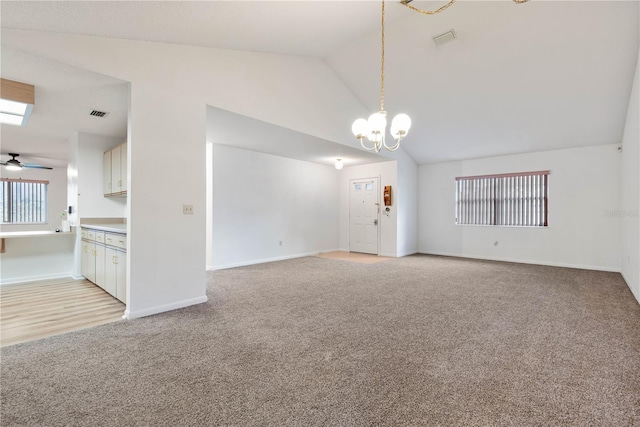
(358, 187)
(23, 201)
(509, 200)
(369, 186)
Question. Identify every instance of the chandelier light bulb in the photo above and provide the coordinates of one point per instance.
(377, 122)
(401, 122)
(360, 128)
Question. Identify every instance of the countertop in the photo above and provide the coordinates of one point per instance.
(13, 234)
(113, 228)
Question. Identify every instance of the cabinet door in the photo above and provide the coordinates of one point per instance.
(91, 263)
(116, 273)
(106, 173)
(86, 256)
(123, 166)
(111, 270)
(100, 266)
(121, 276)
(116, 182)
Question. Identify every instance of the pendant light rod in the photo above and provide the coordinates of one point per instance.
(382, 61)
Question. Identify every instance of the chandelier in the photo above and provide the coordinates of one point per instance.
(374, 129)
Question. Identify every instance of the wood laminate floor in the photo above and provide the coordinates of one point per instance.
(354, 257)
(29, 311)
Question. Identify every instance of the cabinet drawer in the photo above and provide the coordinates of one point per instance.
(91, 235)
(84, 233)
(117, 240)
(100, 236)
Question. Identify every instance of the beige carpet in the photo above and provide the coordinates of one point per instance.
(319, 342)
(354, 257)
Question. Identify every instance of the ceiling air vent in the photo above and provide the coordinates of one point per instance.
(97, 113)
(444, 37)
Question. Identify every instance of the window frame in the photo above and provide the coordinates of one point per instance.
(8, 217)
(519, 199)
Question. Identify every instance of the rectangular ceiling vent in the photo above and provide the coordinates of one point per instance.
(97, 113)
(444, 37)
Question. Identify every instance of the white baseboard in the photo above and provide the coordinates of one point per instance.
(633, 291)
(524, 261)
(387, 255)
(265, 260)
(401, 254)
(23, 279)
(128, 314)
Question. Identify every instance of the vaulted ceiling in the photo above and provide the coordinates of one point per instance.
(518, 78)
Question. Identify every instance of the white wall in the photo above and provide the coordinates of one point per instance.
(166, 249)
(407, 205)
(630, 187)
(582, 233)
(260, 200)
(388, 232)
(35, 258)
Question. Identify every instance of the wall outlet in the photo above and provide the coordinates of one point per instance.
(187, 209)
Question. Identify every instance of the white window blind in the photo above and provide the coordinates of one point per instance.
(23, 201)
(513, 199)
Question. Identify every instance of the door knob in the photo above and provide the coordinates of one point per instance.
(375, 222)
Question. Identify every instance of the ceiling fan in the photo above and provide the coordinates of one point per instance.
(16, 165)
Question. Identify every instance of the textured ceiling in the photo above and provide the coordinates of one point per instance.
(519, 78)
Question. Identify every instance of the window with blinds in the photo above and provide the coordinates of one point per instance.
(510, 200)
(23, 201)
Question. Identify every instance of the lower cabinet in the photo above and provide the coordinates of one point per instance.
(116, 273)
(104, 264)
(88, 267)
(98, 254)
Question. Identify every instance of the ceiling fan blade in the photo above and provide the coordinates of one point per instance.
(32, 166)
(3, 163)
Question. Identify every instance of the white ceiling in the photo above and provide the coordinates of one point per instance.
(519, 78)
(310, 28)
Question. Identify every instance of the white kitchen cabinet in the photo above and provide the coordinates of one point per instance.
(99, 254)
(106, 173)
(86, 256)
(115, 171)
(104, 259)
(116, 180)
(123, 168)
(116, 273)
(92, 266)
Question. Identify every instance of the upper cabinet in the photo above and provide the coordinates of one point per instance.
(115, 171)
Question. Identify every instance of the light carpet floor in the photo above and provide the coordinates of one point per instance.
(421, 340)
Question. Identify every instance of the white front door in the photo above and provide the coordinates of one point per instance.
(363, 215)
